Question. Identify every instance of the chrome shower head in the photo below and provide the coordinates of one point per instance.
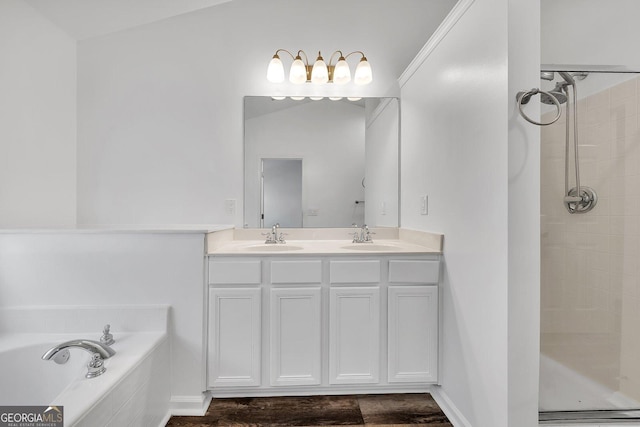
(557, 92)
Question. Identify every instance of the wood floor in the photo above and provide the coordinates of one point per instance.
(370, 410)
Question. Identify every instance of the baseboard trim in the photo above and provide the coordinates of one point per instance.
(190, 405)
(165, 420)
(316, 390)
(449, 408)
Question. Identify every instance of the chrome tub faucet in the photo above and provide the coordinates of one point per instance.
(99, 352)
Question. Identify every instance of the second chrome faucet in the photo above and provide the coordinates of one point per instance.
(275, 236)
(363, 235)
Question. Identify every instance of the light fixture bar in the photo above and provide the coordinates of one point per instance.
(320, 72)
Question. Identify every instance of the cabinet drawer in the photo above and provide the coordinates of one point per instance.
(414, 271)
(238, 272)
(309, 271)
(355, 271)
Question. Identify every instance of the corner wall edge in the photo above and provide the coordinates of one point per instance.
(438, 35)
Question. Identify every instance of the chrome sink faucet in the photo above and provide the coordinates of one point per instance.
(363, 235)
(99, 352)
(275, 236)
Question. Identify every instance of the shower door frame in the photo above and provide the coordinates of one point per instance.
(619, 415)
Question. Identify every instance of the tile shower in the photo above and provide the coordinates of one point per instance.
(590, 263)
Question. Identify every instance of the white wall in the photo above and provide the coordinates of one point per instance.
(458, 127)
(333, 159)
(37, 120)
(160, 106)
(597, 32)
(524, 219)
(50, 269)
(382, 135)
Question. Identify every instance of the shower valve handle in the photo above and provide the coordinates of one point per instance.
(572, 199)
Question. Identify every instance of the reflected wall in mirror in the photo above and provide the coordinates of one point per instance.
(349, 159)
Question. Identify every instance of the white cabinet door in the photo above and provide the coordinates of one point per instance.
(413, 334)
(234, 337)
(295, 334)
(354, 335)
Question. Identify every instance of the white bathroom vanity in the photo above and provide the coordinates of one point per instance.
(322, 315)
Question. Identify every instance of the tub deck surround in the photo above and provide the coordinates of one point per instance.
(324, 241)
(135, 386)
(92, 399)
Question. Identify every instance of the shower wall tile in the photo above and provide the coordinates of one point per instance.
(624, 130)
(624, 107)
(624, 225)
(599, 100)
(624, 90)
(595, 116)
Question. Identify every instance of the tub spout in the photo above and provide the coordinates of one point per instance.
(91, 346)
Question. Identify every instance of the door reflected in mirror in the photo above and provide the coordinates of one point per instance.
(321, 163)
(282, 192)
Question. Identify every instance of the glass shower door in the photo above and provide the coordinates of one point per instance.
(590, 262)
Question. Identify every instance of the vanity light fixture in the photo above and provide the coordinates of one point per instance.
(320, 73)
(297, 98)
(353, 99)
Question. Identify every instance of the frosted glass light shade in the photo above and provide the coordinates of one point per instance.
(298, 72)
(341, 73)
(363, 73)
(319, 73)
(275, 71)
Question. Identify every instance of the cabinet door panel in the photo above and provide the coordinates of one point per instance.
(295, 336)
(234, 337)
(354, 328)
(413, 334)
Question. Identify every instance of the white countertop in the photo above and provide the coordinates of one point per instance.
(327, 241)
(321, 247)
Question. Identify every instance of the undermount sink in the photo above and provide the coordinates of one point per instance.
(273, 248)
(373, 247)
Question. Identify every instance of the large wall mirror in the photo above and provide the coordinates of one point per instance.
(321, 163)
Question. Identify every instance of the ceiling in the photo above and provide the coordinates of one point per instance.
(83, 19)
